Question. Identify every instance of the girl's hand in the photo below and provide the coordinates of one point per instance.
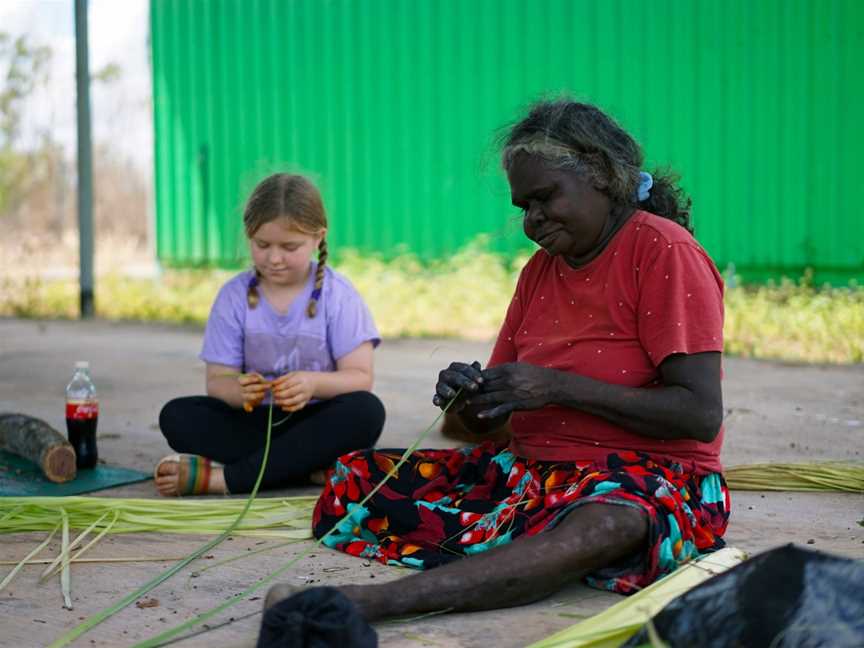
(457, 376)
(294, 390)
(254, 389)
(514, 386)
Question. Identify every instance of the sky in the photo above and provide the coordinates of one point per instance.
(118, 33)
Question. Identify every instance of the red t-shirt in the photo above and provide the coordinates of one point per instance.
(652, 292)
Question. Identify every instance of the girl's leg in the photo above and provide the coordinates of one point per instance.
(530, 568)
(210, 427)
(309, 440)
(212, 430)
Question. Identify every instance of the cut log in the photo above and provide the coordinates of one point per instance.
(37, 441)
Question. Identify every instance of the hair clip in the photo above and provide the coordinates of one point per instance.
(646, 181)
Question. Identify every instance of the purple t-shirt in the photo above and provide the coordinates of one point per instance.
(262, 340)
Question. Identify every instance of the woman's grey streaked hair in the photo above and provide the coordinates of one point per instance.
(582, 138)
(579, 137)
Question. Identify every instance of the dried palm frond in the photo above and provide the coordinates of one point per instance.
(811, 476)
(614, 626)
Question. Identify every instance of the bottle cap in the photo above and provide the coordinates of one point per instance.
(82, 364)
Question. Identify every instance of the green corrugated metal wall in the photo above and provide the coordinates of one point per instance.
(392, 105)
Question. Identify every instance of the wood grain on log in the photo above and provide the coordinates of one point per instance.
(33, 439)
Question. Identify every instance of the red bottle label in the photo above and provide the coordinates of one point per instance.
(82, 410)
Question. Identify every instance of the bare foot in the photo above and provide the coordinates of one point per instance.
(370, 600)
(189, 475)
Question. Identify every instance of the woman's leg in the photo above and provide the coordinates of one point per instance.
(309, 440)
(590, 537)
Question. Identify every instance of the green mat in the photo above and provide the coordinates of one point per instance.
(22, 478)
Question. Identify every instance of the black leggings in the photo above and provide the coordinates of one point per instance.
(308, 440)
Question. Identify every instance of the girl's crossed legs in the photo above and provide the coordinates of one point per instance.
(306, 441)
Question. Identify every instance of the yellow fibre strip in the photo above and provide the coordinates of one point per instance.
(26, 559)
(99, 536)
(65, 585)
(51, 568)
(822, 476)
(273, 515)
(74, 559)
(614, 626)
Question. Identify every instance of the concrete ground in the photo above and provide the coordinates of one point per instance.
(775, 412)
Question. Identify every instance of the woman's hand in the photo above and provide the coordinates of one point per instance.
(457, 376)
(513, 386)
(294, 390)
(254, 389)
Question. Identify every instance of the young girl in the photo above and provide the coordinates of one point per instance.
(292, 330)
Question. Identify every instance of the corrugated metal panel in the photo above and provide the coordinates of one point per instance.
(392, 106)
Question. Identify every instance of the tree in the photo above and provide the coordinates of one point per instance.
(23, 67)
(37, 180)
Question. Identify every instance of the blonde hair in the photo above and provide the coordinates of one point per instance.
(295, 198)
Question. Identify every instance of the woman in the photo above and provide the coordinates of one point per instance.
(607, 368)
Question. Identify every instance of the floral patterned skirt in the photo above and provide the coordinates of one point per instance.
(443, 505)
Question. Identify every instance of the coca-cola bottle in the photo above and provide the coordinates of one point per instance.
(82, 414)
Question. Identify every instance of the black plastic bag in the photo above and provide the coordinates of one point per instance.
(318, 617)
(785, 597)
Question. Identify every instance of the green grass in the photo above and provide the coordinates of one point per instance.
(796, 321)
(466, 296)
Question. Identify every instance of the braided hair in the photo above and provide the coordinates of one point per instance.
(312, 307)
(295, 198)
(581, 137)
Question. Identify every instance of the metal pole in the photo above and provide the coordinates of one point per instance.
(85, 161)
